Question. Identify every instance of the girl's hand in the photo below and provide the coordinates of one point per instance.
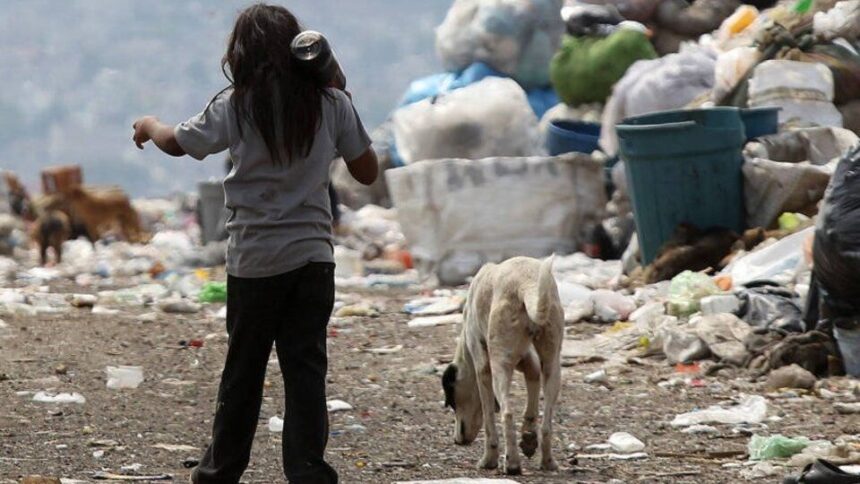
(142, 130)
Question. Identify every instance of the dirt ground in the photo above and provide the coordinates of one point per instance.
(397, 431)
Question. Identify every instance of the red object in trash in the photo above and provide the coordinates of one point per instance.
(691, 369)
(195, 343)
(401, 256)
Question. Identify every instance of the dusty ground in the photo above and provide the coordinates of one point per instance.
(405, 432)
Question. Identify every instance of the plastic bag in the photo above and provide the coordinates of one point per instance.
(771, 307)
(687, 290)
(843, 20)
(670, 82)
(778, 262)
(836, 252)
(751, 410)
(739, 21)
(775, 447)
(803, 90)
(213, 292)
(516, 37)
(731, 67)
(585, 69)
(488, 118)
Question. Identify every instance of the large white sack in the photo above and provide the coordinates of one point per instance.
(489, 118)
(803, 90)
(790, 171)
(458, 214)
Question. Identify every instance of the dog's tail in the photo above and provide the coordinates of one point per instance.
(538, 297)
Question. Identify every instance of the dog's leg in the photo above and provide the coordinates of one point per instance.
(530, 366)
(503, 372)
(490, 459)
(551, 388)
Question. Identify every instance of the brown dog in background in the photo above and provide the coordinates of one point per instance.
(99, 210)
(50, 230)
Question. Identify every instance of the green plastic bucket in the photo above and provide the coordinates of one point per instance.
(683, 167)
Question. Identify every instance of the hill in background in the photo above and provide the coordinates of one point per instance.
(76, 73)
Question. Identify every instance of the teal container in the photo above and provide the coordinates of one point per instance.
(760, 121)
(683, 167)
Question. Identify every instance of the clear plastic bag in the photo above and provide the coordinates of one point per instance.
(488, 118)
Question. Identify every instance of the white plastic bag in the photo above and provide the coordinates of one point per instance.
(843, 20)
(489, 118)
(803, 90)
(751, 410)
(459, 214)
(731, 67)
(124, 377)
(516, 37)
(778, 262)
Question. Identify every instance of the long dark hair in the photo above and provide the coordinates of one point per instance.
(271, 90)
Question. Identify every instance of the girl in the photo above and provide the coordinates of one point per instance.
(282, 128)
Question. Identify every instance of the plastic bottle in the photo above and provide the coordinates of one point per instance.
(313, 50)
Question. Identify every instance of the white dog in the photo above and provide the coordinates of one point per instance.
(513, 320)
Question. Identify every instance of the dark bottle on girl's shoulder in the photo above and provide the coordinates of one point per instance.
(314, 52)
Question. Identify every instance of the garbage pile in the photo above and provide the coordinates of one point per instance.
(683, 166)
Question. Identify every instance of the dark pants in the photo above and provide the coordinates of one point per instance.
(292, 311)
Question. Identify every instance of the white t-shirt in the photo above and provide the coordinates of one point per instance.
(280, 215)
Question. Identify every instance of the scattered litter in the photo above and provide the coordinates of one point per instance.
(276, 425)
(356, 310)
(700, 429)
(430, 321)
(45, 397)
(624, 443)
(179, 306)
(105, 311)
(847, 408)
(176, 447)
(107, 476)
(775, 447)
(83, 300)
(124, 377)
(751, 410)
(598, 376)
(337, 406)
(437, 306)
(461, 480)
(213, 292)
(386, 350)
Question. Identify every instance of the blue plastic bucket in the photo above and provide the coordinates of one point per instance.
(565, 136)
(760, 121)
(683, 167)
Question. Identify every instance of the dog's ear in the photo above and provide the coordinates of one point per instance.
(449, 379)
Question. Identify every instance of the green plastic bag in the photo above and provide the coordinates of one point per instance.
(775, 447)
(585, 69)
(213, 292)
(687, 290)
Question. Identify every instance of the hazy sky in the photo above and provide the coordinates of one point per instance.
(76, 73)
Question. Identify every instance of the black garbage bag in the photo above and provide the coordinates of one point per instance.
(836, 253)
(771, 307)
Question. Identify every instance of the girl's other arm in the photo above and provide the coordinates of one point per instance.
(163, 135)
(365, 168)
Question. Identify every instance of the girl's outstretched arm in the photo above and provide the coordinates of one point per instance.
(150, 128)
